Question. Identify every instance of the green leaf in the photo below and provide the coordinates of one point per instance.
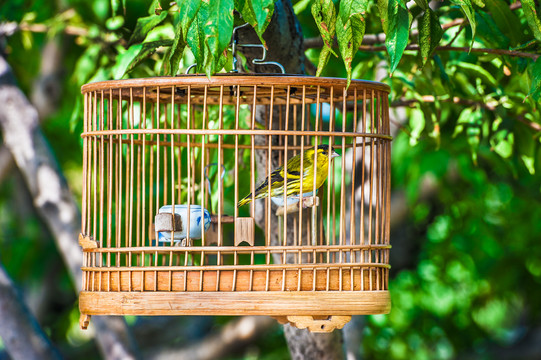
(115, 5)
(324, 56)
(383, 5)
(430, 33)
(535, 76)
(174, 55)
(423, 4)
(502, 143)
(490, 32)
(144, 25)
(244, 7)
(417, 124)
(529, 162)
(470, 119)
(399, 20)
(147, 49)
(187, 13)
(506, 20)
(475, 70)
(155, 7)
(350, 27)
(301, 6)
(467, 8)
(196, 36)
(86, 64)
(263, 10)
(528, 6)
(124, 59)
(259, 19)
(114, 23)
(324, 14)
(218, 30)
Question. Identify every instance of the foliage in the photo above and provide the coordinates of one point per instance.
(472, 128)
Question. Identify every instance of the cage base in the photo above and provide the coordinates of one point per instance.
(318, 304)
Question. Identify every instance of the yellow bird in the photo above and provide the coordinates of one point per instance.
(325, 153)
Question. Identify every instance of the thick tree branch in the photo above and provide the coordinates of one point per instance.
(20, 332)
(236, 335)
(52, 198)
(461, 49)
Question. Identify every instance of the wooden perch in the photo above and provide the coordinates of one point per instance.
(306, 202)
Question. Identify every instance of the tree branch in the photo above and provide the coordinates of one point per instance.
(52, 198)
(372, 39)
(491, 106)
(456, 100)
(20, 332)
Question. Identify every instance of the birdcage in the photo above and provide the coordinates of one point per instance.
(167, 160)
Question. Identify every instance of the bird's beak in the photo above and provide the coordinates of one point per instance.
(334, 154)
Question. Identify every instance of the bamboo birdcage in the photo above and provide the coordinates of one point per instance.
(198, 143)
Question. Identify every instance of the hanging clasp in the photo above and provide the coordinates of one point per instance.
(235, 44)
(262, 61)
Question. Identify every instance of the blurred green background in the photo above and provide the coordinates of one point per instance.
(466, 260)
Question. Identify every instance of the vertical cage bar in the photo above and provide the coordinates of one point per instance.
(269, 171)
(151, 174)
(314, 160)
(95, 166)
(202, 185)
(218, 175)
(301, 173)
(173, 182)
(288, 94)
(157, 170)
(138, 192)
(85, 166)
(118, 170)
(330, 182)
(353, 204)
(132, 144)
(110, 177)
(101, 151)
(252, 153)
(190, 163)
(144, 172)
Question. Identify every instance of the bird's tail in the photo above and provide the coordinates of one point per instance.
(245, 200)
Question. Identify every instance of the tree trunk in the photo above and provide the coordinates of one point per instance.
(285, 42)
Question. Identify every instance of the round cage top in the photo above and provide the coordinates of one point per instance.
(267, 88)
(268, 191)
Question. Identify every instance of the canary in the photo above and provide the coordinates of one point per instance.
(325, 153)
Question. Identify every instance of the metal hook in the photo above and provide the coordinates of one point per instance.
(263, 56)
(234, 45)
(189, 68)
(208, 181)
